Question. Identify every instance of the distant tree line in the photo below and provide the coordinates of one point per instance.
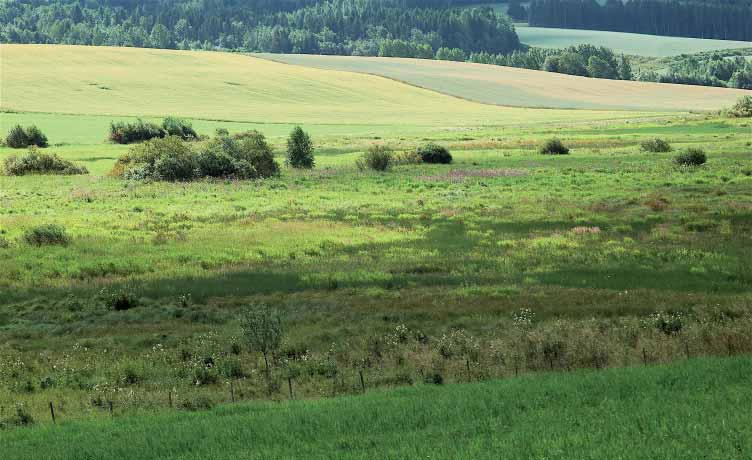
(582, 60)
(720, 19)
(709, 69)
(357, 27)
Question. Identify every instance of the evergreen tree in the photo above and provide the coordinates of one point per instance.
(300, 149)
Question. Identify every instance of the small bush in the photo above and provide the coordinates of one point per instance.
(166, 158)
(434, 153)
(35, 162)
(197, 403)
(299, 149)
(656, 145)
(409, 157)
(691, 157)
(377, 157)
(19, 137)
(554, 147)
(120, 300)
(138, 131)
(47, 235)
(179, 127)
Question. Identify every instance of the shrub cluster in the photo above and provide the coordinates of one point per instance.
(299, 149)
(19, 137)
(554, 147)
(691, 157)
(47, 235)
(139, 130)
(244, 156)
(434, 153)
(656, 145)
(35, 162)
(742, 108)
(377, 158)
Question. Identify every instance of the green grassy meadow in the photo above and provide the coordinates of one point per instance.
(421, 273)
(691, 409)
(627, 43)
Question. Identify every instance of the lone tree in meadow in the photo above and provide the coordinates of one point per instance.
(263, 330)
(300, 149)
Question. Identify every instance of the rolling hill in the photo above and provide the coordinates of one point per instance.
(509, 86)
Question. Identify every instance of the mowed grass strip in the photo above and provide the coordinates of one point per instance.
(692, 409)
(510, 86)
(621, 42)
(225, 86)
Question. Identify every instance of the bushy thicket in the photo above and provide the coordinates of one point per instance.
(137, 131)
(140, 130)
(36, 162)
(719, 68)
(377, 158)
(180, 127)
(554, 147)
(47, 235)
(691, 157)
(19, 137)
(434, 153)
(656, 145)
(244, 156)
(742, 108)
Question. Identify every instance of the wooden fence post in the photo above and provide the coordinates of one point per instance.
(289, 386)
(362, 382)
(232, 392)
(52, 412)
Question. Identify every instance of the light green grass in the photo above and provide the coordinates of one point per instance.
(508, 86)
(694, 409)
(626, 43)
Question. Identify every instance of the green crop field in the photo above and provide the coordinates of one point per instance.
(504, 264)
(509, 86)
(690, 410)
(633, 44)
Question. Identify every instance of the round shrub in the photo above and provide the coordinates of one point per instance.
(35, 162)
(47, 235)
(742, 108)
(656, 145)
(166, 158)
(554, 147)
(177, 166)
(434, 153)
(691, 157)
(377, 158)
(300, 149)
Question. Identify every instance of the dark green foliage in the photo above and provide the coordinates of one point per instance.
(35, 162)
(691, 157)
(138, 131)
(196, 404)
(179, 165)
(702, 19)
(166, 158)
(19, 138)
(180, 127)
(655, 145)
(300, 149)
(47, 235)
(554, 147)
(516, 11)
(407, 28)
(434, 153)
(377, 158)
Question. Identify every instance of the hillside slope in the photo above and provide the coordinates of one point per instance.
(526, 88)
(225, 86)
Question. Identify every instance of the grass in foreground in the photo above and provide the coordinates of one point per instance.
(692, 409)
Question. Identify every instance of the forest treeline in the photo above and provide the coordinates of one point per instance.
(349, 27)
(720, 19)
